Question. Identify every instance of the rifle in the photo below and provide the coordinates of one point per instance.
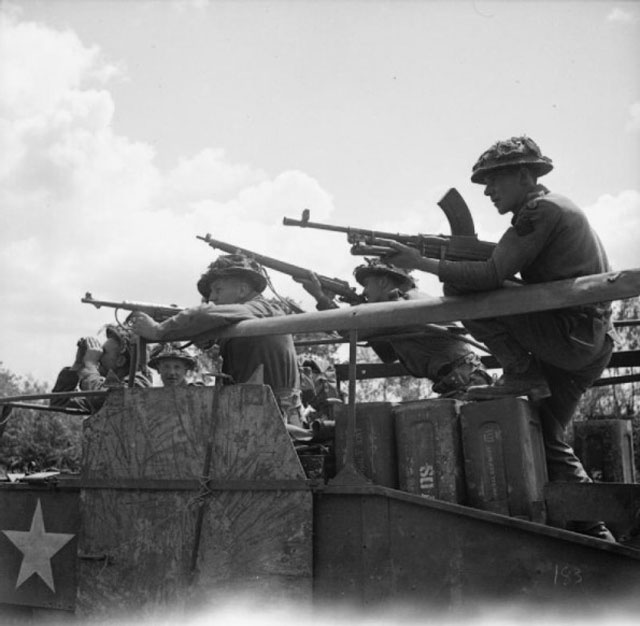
(341, 288)
(159, 312)
(462, 245)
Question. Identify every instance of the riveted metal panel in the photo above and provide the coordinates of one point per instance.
(443, 555)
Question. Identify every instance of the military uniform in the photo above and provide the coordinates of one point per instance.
(90, 379)
(441, 358)
(549, 239)
(242, 357)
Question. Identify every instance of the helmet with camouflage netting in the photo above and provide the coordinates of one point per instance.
(170, 351)
(228, 265)
(509, 153)
(376, 267)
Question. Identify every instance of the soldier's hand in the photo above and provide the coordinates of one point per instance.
(312, 286)
(144, 326)
(81, 349)
(400, 255)
(93, 351)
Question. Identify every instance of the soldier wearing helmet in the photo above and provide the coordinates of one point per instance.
(231, 289)
(173, 364)
(552, 356)
(444, 359)
(99, 365)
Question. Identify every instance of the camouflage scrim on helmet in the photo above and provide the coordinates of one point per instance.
(229, 265)
(376, 267)
(122, 335)
(170, 351)
(511, 153)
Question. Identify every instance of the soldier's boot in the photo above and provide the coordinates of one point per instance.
(530, 382)
(462, 375)
(592, 529)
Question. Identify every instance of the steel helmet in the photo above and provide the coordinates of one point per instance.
(228, 265)
(508, 153)
(376, 267)
(170, 351)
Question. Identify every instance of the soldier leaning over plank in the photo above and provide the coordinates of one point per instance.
(445, 360)
(231, 289)
(552, 356)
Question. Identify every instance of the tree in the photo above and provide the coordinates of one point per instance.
(35, 440)
(620, 401)
(393, 389)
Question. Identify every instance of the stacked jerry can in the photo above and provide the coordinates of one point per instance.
(488, 455)
(375, 442)
(429, 446)
(605, 448)
(505, 463)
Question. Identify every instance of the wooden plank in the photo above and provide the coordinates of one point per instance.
(508, 301)
(254, 535)
(623, 358)
(148, 433)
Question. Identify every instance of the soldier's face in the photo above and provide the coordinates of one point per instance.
(507, 190)
(376, 288)
(111, 357)
(227, 291)
(173, 372)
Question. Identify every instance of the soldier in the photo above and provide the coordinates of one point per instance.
(319, 387)
(231, 289)
(552, 356)
(444, 359)
(99, 366)
(172, 363)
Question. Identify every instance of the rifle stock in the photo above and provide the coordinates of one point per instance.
(340, 287)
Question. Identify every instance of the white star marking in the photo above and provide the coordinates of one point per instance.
(37, 547)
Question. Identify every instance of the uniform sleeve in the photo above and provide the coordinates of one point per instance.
(202, 319)
(517, 248)
(90, 379)
(384, 350)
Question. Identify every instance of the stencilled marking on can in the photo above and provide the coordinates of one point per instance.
(495, 484)
(427, 480)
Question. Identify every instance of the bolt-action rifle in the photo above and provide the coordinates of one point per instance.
(462, 245)
(340, 287)
(159, 312)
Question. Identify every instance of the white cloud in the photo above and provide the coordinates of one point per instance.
(85, 209)
(208, 174)
(616, 219)
(184, 6)
(39, 66)
(633, 125)
(624, 16)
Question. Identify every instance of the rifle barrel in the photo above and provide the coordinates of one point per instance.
(159, 312)
(54, 395)
(353, 233)
(45, 407)
(336, 285)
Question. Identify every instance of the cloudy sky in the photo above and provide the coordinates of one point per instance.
(128, 128)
